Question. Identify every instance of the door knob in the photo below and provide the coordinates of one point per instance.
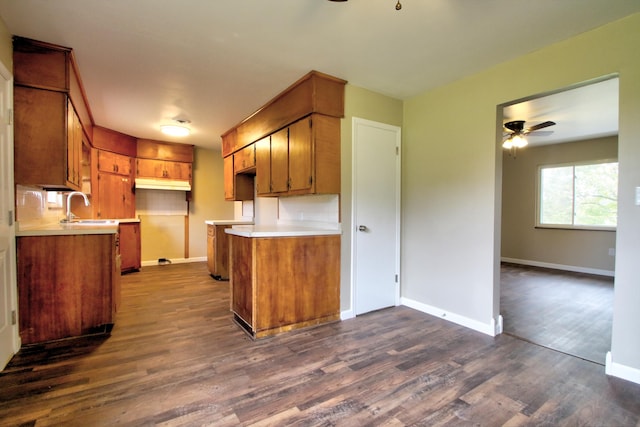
(362, 228)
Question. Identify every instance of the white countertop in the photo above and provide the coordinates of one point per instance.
(279, 231)
(228, 222)
(57, 229)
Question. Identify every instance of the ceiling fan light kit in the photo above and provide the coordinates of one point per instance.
(516, 138)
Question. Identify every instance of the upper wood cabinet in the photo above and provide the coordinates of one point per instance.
(149, 168)
(114, 163)
(295, 138)
(315, 92)
(239, 172)
(52, 118)
(303, 158)
(47, 141)
(244, 159)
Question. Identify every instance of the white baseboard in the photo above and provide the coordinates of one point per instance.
(493, 328)
(574, 268)
(347, 314)
(621, 371)
(174, 261)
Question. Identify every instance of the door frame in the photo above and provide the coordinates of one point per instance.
(354, 198)
(7, 79)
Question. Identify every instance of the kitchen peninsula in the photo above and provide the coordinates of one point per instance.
(285, 270)
(284, 277)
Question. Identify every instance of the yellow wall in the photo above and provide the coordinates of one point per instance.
(164, 236)
(208, 199)
(6, 46)
(583, 249)
(452, 164)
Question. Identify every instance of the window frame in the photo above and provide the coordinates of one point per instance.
(538, 201)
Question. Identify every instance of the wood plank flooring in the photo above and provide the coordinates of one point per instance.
(566, 311)
(175, 358)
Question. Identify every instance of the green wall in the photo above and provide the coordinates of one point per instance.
(369, 105)
(452, 165)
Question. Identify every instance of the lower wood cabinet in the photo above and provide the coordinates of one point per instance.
(68, 285)
(218, 251)
(130, 255)
(284, 283)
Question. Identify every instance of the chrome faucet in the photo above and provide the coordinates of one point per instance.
(70, 215)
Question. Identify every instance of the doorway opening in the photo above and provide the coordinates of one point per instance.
(556, 280)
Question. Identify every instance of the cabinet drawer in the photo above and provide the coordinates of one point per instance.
(244, 159)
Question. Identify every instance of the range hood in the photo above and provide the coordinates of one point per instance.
(162, 184)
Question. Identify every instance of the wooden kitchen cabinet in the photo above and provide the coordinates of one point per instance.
(296, 137)
(314, 92)
(113, 185)
(284, 283)
(164, 169)
(47, 141)
(52, 120)
(244, 159)
(229, 185)
(114, 163)
(218, 251)
(303, 158)
(68, 285)
(237, 186)
(130, 254)
(115, 197)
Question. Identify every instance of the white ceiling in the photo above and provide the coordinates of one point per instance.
(589, 111)
(214, 62)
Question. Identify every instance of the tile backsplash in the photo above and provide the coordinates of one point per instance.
(37, 205)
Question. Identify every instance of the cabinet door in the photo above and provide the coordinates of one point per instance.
(211, 253)
(74, 146)
(242, 277)
(300, 156)
(263, 166)
(64, 285)
(129, 246)
(177, 170)
(244, 159)
(280, 161)
(128, 208)
(228, 178)
(114, 163)
(149, 168)
(114, 196)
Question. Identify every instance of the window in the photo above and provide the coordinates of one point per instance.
(578, 195)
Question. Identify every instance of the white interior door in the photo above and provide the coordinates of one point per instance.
(376, 215)
(9, 338)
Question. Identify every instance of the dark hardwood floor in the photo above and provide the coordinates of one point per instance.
(566, 311)
(175, 358)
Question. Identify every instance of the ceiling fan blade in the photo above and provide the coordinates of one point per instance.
(540, 126)
(541, 133)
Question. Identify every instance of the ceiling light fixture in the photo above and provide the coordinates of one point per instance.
(176, 130)
(515, 140)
